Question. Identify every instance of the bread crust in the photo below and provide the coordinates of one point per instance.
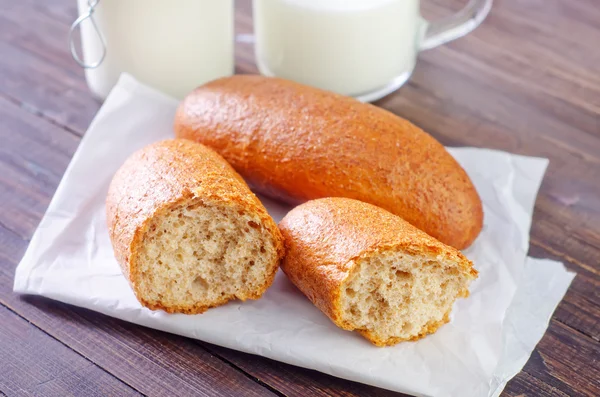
(298, 143)
(325, 238)
(168, 174)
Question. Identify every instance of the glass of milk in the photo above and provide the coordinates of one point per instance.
(172, 46)
(361, 48)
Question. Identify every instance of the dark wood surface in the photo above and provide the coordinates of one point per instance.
(527, 81)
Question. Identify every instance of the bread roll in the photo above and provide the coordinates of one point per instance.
(187, 231)
(370, 271)
(297, 143)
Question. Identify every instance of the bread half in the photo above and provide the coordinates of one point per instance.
(187, 231)
(372, 272)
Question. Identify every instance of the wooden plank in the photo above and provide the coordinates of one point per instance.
(525, 385)
(33, 363)
(291, 380)
(61, 10)
(544, 29)
(583, 261)
(33, 156)
(36, 68)
(567, 361)
(586, 284)
(580, 313)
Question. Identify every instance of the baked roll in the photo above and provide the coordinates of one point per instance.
(187, 231)
(372, 272)
(298, 143)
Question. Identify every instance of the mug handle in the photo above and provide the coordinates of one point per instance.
(455, 26)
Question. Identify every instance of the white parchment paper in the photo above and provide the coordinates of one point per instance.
(490, 337)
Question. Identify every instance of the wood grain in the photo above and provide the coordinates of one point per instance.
(527, 81)
(568, 361)
(33, 156)
(51, 369)
(291, 380)
(36, 70)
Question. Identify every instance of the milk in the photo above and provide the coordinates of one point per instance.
(352, 47)
(172, 46)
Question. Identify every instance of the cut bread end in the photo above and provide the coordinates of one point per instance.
(196, 256)
(393, 296)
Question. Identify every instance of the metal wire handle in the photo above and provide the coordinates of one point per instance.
(88, 15)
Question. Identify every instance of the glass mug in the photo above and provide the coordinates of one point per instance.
(171, 47)
(362, 48)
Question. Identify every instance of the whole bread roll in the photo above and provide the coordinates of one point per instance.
(370, 271)
(187, 231)
(297, 143)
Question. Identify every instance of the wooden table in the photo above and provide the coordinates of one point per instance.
(527, 81)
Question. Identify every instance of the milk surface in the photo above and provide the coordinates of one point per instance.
(172, 46)
(348, 46)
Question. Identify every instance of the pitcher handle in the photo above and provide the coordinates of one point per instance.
(455, 26)
(92, 4)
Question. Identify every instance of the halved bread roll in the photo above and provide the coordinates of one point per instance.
(187, 231)
(370, 271)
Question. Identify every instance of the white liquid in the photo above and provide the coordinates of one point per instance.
(348, 46)
(172, 46)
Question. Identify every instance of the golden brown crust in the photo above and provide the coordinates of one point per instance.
(298, 143)
(162, 176)
(325, 238)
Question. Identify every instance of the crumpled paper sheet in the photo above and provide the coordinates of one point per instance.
(488, 341)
